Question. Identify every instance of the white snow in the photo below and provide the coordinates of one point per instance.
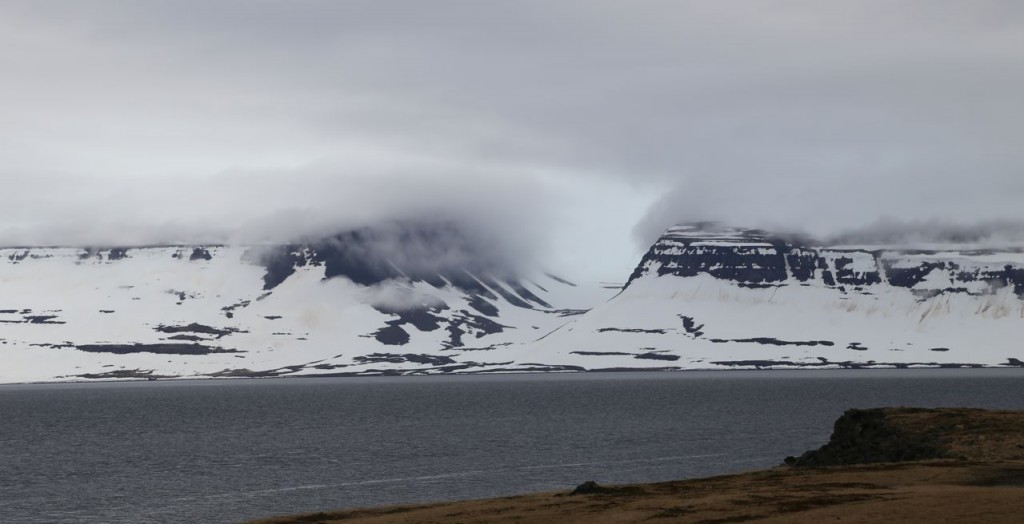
(309, 325)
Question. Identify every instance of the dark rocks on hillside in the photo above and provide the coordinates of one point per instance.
(229, 311)
(909, 277)
(397, 250)
(196, 327)
(248, 373)
(392, 336)
(124, 373)
(589, 488)
(483, 306)
(845, 274)
(691, 327)
(463, 321)
(828, 279)
(864, 436)
(1015, 275)
(768, 341)
(738, 263)
(200, 253)
(657, 356)
(190, 338)
(756, 259)
(509, 297)
(42, 319)
(393, 358)
(117, 253)
(425, 318)
(631, 330)
(568, 312)
(527, 294)
(759, 364)
(803, 263)
(280, 263)
(421, 317)
(160, 349)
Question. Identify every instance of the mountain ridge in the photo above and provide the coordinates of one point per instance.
(704, 296)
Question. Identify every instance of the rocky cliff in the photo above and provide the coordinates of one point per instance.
(708, 296)
(756, 259)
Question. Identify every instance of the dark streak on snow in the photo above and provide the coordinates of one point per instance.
(196, 327)
(160, 349)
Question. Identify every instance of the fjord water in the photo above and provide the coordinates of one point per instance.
(225, 451)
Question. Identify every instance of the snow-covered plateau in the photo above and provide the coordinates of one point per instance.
(703, 297)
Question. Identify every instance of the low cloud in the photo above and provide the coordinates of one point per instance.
(462, 219)
(895, 232)
(891, 203)
(393, 295)
(141, 122)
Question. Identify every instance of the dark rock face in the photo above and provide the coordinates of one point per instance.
(117, 253)
(657, 356)
(439, 254)
(392, 336)
(417, 251)
(196, 327)
(588, 488)
(864, 436)
(631, 330)
(767, 341)
(28, 318)
(392, 358)
(18, 257)
(366, 255)
(124, 373)
(426, 318)
(161, 349)
(463, 321)
(755, 258)
(200, 253)
(42, 319)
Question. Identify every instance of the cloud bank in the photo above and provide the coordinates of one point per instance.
(546, 123)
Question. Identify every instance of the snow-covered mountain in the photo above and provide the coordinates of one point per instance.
(706, 296)
(331, 307)
(410, 300)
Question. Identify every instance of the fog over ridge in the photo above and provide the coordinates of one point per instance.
(572, 132)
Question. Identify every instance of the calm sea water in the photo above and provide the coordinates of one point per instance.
(226, 451)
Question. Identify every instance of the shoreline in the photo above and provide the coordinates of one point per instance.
(916, 492)
(653, 371)
(887, 464)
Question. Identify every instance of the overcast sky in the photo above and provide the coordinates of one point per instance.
(577, 129)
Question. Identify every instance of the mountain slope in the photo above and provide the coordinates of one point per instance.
(706, 296)
(222, 311)
(425, 299)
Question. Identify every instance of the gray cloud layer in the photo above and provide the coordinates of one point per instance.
(160, 120)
